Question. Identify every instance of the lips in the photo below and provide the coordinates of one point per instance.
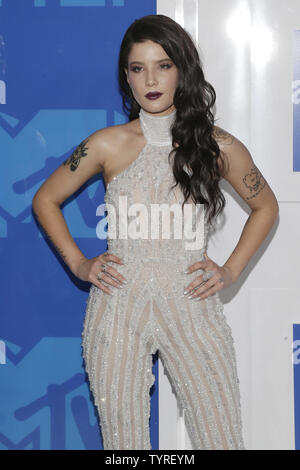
(153, 95)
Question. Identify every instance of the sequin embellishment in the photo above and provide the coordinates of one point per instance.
(121, 332)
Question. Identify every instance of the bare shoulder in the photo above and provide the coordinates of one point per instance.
(232, 151)
(117, 134)
(110, 140)
(222, 137)
(241, 171)
(119, 145)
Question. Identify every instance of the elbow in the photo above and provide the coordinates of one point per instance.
(36, 200)
(274, 206)
(269, 211)
(276, 209)
(273, 211)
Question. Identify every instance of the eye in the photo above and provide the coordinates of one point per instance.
(135, 68)
(166, 66)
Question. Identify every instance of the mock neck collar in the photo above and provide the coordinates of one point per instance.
(157, 129)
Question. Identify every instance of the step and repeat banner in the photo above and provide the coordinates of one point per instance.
(58, 84)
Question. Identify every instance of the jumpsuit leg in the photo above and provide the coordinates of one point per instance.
(196, 349)
(118, 353)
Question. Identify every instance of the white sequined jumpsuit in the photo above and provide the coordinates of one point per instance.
(123, 330)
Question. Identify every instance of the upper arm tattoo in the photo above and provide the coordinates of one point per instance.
(79, 152)
(223, 136)
(254, 181)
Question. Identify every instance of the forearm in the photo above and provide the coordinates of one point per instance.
(52, 221)
(255, 230)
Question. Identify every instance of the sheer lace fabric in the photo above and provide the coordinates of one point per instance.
(121, 332)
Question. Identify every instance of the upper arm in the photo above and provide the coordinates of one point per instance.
(85, 161)
(242, 173)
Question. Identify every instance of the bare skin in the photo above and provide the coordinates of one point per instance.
(244, 176)
(111, 150)
(108, 151)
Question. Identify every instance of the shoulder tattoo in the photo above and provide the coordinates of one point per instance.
(223, 137)
(254, 182)
(79, 152)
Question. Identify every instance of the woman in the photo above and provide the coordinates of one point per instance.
(169, 153)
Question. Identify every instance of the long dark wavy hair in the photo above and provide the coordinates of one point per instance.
(196, 149)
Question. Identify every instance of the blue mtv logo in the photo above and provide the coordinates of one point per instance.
(52, 407)
(65, 61)
(49, 139)
(58, 83)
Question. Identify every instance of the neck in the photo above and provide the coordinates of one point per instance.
(157, 129)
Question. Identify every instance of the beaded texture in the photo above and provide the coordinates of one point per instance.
(122, 331)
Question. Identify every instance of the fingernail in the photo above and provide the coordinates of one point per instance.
(185, 292)
(186, 272)
(125, 282)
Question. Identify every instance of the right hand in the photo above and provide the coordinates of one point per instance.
(88, 269)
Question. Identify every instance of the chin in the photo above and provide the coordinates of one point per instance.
(156, 107)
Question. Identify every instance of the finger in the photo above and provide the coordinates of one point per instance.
(200, 280)
(209, 292)
(114, 258)
(101, 286)
(196, 283)
(103, 256)
(109, 280)
(113, 272)
(198, 265)
(218, 285)
(200, 288)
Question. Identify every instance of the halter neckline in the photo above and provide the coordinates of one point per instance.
(157, 129)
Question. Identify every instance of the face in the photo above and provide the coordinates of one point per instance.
(152, 77)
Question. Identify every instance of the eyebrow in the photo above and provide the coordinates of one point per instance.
(157, 61)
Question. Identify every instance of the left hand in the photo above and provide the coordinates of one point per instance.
(222, 277)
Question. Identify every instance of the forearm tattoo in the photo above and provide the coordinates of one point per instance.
(79, 152)
(61, 253)
(254, 182)
(223, 136)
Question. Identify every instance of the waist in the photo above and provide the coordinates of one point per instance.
(175, 258)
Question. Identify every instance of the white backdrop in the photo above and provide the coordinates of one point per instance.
(246, 47)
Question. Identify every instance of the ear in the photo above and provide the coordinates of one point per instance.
(126, 72)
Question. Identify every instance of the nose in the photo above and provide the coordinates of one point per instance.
(151, 79)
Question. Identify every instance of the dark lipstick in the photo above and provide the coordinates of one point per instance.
(153, 95)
